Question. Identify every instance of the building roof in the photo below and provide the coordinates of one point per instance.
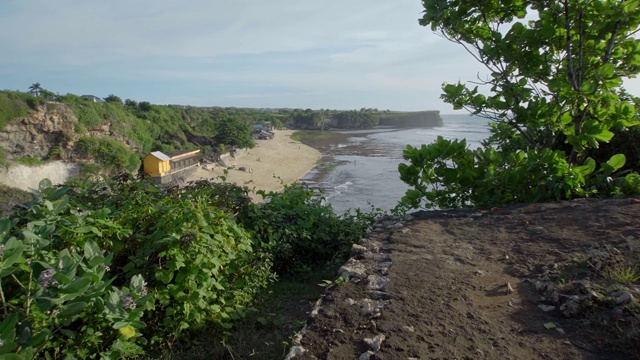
(160, 155)
(174, 155)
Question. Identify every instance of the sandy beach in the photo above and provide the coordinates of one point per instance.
(269, 160)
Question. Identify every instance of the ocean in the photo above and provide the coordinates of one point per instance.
(364, 169)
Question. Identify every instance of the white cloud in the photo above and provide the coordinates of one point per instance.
(348, 53)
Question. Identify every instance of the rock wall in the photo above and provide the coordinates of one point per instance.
(24, 177)
(50, 126)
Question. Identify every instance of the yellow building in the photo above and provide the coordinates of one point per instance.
(156, 164)
(162, 166)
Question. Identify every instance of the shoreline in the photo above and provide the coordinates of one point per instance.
(269, 165)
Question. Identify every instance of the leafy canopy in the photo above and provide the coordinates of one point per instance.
(554, 95)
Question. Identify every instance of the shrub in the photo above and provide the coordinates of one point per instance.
(105, 269)
(446, 174)
(111, 153)
(58, 299)
(302, 231)
(29, 160)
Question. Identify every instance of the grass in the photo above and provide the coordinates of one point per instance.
(280, 311)
(622, 275)
(310, 137)
(30, 160)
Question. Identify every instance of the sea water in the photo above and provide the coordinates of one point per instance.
(366, 166)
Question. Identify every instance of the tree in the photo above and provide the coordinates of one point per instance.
(49, 95)
(555, 79)
(233, 132)
(554, 95)
(35, 89)
(144, 106)
(130, 103)
(113, 99)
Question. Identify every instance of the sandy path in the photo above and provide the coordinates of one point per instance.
(281, 158)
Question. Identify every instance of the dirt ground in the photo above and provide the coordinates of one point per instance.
(537, 281)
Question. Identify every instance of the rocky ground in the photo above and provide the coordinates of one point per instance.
(538, 281)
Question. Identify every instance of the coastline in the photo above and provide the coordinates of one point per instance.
(266, 165)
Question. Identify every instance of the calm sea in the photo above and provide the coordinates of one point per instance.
(365, 169)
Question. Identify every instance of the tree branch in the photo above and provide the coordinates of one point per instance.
(607, 54)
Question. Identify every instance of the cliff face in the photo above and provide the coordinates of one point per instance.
(50, 131)
(48, 127)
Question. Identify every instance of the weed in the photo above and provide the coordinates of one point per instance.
(30, 160)
(622, 274)
(338, 281)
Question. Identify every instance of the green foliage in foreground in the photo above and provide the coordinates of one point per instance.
(117, 268)
(556, 100)
(301, 232)
(446, 174)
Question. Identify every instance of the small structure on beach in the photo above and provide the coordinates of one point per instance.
(165, 167)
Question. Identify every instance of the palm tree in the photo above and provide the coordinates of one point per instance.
(35, 89)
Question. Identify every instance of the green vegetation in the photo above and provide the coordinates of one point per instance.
(121, 268)
(556, 102)
(232, 131)
(29, 160)
(411, 118)
(305, 136)
(113, 154)
(12, 105)
(364, 118)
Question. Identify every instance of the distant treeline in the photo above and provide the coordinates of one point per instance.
(362, 119)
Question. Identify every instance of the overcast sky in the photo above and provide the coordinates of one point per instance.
(333, 54)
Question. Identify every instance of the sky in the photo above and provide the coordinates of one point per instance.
(331, 54)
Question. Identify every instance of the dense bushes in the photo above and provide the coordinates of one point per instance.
(446, 174)
(302, 231)
(113, 154)
(115, 268)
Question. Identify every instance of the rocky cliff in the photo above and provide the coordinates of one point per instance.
(48, 127)
(49, 132)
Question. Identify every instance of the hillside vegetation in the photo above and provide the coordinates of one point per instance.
(116, 134)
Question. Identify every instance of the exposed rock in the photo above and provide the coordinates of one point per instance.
(375, 343)
(372, 307)
(546, 308)
(377, 282)
(358, 251)
(295, 351)
(48, 126)
(624, 298)
(367, 355)
(353, 269)
(570, 308)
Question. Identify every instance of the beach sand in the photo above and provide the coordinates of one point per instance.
(269, 160)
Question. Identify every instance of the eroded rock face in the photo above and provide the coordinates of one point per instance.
(50, 126)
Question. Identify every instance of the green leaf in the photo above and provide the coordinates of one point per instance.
(44, 183)
(73, 309)
(617, 161)
(587, 167)
(604, 136)
(12, 253)
(90, 249)
(25, 332)
(8, 327)
(77, 287)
